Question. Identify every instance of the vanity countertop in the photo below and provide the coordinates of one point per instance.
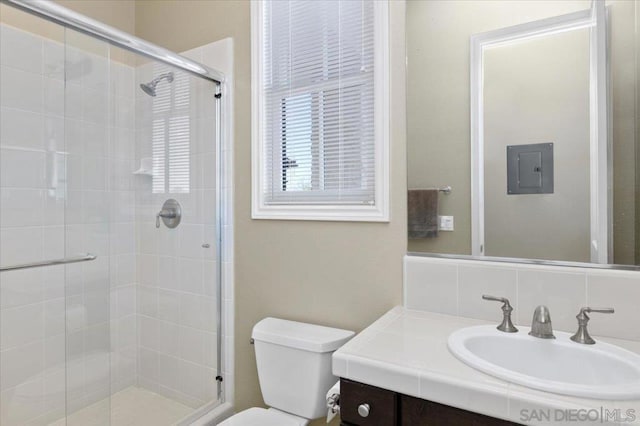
(406, 351)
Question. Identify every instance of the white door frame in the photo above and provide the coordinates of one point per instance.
(595, 19)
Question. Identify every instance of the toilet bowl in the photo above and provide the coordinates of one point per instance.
(294, 370)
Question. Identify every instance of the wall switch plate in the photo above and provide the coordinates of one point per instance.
(445, 223)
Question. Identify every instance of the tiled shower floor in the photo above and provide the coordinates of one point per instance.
(132, 406)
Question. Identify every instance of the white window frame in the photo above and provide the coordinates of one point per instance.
(379, 212)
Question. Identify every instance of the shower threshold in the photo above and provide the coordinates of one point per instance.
(132, 406)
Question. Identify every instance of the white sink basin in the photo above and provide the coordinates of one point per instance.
(601, 371)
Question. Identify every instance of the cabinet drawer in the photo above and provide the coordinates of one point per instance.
(418, 412)
(382, 404)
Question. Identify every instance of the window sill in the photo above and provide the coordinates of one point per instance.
(322, 213)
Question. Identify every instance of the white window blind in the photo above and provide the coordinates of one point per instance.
(318, 94)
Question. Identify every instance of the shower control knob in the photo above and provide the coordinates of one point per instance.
(363, 410)
(171, 214)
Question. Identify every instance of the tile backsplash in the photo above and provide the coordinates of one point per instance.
(456, 286)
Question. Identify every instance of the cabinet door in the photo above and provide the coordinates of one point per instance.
(381, 405)
(419, 412)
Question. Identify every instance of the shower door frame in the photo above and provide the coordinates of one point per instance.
(67, 18)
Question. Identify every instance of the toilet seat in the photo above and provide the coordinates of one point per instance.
(260, 417)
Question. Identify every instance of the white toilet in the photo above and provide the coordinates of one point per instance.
(294, 368)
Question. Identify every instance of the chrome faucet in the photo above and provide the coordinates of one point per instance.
(541, 323)
(506, 325)
(582, 335)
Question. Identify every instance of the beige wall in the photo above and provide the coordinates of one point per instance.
(438, 106)
(537, 91)
(117, 13)
(336, 274)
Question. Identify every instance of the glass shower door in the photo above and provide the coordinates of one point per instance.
(32, 219)
(89, 119)
(54, 309)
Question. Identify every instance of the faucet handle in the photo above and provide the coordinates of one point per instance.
(496, 299)
(506, 325)
(586, 310)
(582, 335)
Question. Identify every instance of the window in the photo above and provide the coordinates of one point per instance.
(320, 109)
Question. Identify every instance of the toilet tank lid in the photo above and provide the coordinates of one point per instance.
(299, 335)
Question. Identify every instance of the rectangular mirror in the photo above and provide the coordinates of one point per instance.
(522, 130)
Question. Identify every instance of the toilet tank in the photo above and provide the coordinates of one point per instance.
(294, 364)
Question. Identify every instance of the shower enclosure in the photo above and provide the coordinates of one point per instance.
(110, 303)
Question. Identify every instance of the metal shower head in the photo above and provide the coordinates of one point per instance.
(150, 88)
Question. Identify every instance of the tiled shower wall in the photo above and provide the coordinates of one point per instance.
(177, 308)
(455, 287)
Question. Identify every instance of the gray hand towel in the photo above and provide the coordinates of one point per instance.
(423, 213)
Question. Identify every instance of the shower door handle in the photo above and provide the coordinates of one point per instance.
(84, 258)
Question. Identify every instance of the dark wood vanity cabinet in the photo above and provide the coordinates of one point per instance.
(387, 408)
(415, 411)
(383, 404)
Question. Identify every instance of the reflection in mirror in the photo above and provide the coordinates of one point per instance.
(533, 106)
(528, 113)
(536, 96)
